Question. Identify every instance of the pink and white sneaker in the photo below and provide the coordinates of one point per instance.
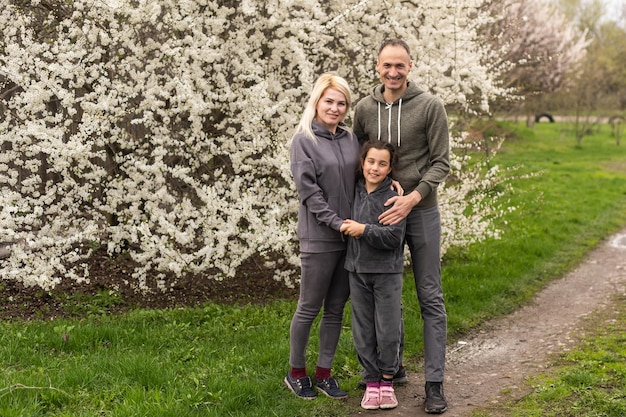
(371, 398)
(387, 396)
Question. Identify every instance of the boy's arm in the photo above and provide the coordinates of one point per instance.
(352, 228)
(376, 235)
(384, 237)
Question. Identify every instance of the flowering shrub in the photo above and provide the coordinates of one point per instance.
(162, 128)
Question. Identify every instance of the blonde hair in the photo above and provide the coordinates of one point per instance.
(324, 82)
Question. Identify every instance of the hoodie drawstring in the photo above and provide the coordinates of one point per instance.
(388, 107)
(399, 114)
(378, 120)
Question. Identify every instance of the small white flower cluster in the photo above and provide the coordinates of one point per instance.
(162, 129)
(474, 199)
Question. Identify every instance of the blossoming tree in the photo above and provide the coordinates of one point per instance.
(162, 128)
(541, 57)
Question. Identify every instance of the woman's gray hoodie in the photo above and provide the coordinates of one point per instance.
(418, 125)
(380, 249)
(325, 173)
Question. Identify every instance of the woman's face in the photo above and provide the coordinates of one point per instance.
(331, 109)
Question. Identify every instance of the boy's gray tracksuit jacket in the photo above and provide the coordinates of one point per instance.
(380, 249)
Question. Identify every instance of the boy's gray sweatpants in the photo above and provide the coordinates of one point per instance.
(376, 322)
(323, 282)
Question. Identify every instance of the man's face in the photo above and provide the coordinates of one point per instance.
(393, 66)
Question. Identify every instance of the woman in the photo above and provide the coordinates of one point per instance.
(324, 161)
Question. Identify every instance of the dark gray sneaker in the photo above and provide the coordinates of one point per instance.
(435, 401)
(399, 378)
(330, 387)
(302, 387)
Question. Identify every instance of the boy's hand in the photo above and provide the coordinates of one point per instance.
(352, 228)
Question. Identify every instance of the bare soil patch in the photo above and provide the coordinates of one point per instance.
(109, 291)
(490, 366)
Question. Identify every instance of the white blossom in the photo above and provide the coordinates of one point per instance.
(162, 128)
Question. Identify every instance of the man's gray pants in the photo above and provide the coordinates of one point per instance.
(423, 236)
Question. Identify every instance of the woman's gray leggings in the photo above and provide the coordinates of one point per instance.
(324, 282)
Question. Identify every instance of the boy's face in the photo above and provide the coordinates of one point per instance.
(393, 66)
(376, 166)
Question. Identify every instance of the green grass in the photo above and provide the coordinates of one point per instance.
(567, 199)
(230, 360)
(188, 362)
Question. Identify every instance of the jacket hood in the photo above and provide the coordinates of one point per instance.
(383, 187)
(411, 91)
(321, 131)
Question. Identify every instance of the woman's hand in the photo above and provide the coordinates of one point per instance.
(395, 185)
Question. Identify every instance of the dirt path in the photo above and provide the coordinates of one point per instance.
(509, 349)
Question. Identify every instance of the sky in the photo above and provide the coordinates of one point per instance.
(614, 8)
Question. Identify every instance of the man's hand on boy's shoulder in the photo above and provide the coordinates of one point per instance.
(402, 206)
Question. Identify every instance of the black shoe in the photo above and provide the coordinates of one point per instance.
(301, 387)
(435, 401)
(330, 387)
(399, 378)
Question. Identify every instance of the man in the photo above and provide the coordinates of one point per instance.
(416, 122)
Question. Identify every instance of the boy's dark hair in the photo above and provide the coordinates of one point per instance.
(377, 144)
